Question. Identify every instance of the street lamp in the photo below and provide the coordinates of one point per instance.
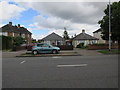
(109, 27)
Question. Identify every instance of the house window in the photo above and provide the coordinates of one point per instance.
(13, 34)
(23, 35)
(5, 33)
(28, 35)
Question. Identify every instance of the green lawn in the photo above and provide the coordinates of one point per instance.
(109, 52)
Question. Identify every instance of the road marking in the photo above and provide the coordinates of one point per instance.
(56, 57)
(22, 62)
(77, 65)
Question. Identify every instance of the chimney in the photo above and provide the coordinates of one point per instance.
(10, 23)
(18, 25)
(83, 31)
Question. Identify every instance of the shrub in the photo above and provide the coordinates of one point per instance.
(18, 41)
(80, 45)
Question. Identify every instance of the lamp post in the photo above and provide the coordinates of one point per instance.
(109, 27)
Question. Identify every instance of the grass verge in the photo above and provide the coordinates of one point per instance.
(109, 52)
(9, 50)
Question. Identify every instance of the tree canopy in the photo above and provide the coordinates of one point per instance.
(115, 22)
(65, 35)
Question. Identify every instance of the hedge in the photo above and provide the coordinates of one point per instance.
(6, 42)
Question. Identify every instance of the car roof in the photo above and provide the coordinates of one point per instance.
(42, 43)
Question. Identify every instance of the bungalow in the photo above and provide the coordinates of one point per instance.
(15, 31)
(98, 34)
(53, 39)
(83, 38)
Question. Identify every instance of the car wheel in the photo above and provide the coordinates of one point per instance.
(54, 51)
(35, 52)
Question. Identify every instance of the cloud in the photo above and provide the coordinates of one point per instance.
(9, 11)
(40, 36)
(80, 12)
(50, 22)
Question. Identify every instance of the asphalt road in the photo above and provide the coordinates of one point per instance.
(61, 72)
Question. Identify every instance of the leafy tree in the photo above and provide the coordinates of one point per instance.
(115, 22)
(18, 41)
(39, 41)
(65, 35)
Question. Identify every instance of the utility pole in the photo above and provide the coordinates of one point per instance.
(109, 27)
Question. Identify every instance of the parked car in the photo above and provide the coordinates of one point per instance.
(44, 48)
(27, 45)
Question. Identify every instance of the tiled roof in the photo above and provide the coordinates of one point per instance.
(99, 30)
(53, 36)
(84, 36)
(9, 28)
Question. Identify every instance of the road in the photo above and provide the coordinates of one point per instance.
(61, 72)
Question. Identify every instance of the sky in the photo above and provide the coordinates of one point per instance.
(43, 18)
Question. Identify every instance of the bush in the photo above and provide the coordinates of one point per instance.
(18, 41)
(85, 47)
(80, 45)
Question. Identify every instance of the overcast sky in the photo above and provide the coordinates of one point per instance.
(43, 18)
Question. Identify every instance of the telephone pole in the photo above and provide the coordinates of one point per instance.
(109, 26)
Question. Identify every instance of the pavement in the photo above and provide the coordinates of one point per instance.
(85, 52)
(82, 52)
(12, 54)
(100, 71)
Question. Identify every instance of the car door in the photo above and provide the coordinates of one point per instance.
(46, 48)
(39, 48)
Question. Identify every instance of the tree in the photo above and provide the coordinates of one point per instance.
(65, 35)
(115, 22)
(18, 41)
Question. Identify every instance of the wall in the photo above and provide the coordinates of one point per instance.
(65, 47)
(104, 46)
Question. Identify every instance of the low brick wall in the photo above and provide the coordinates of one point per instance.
(18, 48)
(65, 47)
(104, 46)
(29, 48)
